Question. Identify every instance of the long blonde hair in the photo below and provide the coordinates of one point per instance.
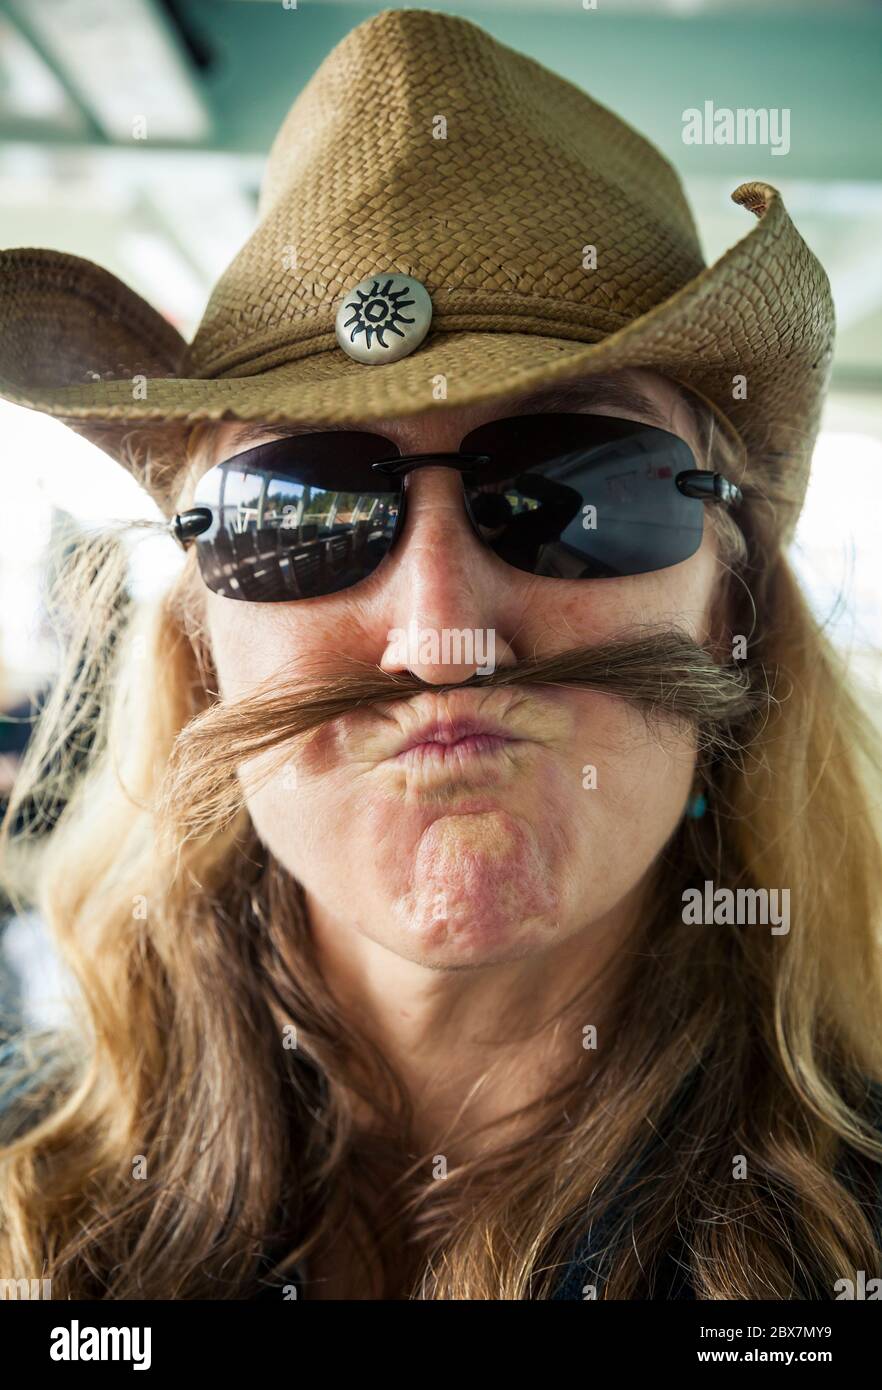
(170, 1146)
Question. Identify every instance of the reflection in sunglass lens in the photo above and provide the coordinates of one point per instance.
(565, 496)
(297, 519)
(578, 497)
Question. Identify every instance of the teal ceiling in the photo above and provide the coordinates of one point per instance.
(250, 58)
(826, 67)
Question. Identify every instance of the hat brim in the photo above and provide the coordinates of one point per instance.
(761, 314)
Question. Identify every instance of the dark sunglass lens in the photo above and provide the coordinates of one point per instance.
(583, 497)
(297, 518)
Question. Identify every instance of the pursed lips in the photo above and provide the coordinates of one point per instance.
(459, 737)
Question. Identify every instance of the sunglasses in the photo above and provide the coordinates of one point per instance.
(562, 496)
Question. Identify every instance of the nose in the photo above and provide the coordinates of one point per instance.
(448, 602)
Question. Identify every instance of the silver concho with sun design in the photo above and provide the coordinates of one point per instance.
(383, 318)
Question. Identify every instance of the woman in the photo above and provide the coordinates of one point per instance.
(380, 890)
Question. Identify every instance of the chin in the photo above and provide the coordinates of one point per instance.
(450, 931)
(471, 937)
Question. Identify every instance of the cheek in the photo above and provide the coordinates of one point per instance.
(678, 597)
(254, 644)
(241, 637)
(635, 780)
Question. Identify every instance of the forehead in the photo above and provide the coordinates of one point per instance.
(636, 393)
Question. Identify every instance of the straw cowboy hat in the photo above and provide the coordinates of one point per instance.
(441, 219)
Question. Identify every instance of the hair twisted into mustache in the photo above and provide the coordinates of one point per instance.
(665, 674)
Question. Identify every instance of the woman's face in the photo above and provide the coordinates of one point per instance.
(495, 846)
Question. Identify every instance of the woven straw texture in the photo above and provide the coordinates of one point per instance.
(486, 176)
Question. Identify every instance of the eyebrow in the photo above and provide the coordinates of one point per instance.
(250, 433)
(586, 392)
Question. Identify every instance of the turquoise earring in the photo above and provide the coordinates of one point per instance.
(696, 806)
